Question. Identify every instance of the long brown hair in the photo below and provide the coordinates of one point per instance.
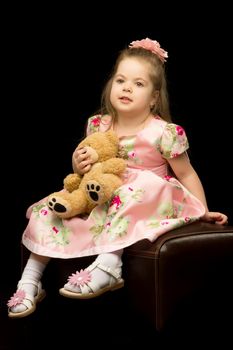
(158, 78)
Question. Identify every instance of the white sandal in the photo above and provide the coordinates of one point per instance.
(89, 288)
(21, 297)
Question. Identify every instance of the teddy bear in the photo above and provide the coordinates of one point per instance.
(83, 192)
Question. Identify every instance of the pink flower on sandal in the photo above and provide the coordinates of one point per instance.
(79, 278)
(17, 298)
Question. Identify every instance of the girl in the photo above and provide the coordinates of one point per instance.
(161, 190)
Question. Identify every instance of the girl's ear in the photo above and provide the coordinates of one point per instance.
(155, 97)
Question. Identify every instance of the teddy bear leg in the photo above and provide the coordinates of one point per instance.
(94, 191)
(98, 192)
(66, 205)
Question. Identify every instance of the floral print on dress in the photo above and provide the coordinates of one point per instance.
(166, 210)
(115, 226)
(40, 209)
(94, 123)
(173, 181)
(127, 151)
(118, 228)
(173, 141)
(99, 217)
(182, 221)
(149, 203)
(155, 223)
(58, 233)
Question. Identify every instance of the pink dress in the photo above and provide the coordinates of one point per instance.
(148, 204)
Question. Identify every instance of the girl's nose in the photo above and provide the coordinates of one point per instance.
(127, 89)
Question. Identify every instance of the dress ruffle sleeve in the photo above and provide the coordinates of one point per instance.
(93, 124)
(98, 123)
(173, 141)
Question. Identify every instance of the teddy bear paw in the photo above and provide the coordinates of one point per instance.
(94, 192)
(58, 206)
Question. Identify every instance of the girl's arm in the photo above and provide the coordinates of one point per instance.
(186, 174)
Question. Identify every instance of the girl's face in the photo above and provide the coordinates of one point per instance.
(132, 89)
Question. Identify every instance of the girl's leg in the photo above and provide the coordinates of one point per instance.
(29, 282)
(108, 270)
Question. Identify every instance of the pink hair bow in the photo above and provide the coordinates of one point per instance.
(151, 45)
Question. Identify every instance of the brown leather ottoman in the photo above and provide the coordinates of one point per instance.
(159, 275)
(181, 262)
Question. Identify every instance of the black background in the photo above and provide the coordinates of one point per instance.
(54, 70)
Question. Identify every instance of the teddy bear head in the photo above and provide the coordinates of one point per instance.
(101, 145)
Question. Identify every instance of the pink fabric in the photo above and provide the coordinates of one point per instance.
(151, 45)
(148, 204)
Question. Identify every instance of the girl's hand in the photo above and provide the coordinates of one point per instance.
(217, 218)
(81, 160)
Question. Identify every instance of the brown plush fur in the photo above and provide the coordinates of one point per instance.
(97, 186)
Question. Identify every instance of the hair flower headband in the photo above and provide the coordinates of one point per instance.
(151, 45)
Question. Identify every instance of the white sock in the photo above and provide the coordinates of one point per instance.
(32, 271)
(101, 277)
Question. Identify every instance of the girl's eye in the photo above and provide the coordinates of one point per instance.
(138, 83)
(120, 81)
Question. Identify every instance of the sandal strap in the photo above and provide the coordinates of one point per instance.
(92, 286)
(113, 272)
(29, 281)
(89, 287)
(28, 300)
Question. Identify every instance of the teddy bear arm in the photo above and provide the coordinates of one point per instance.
(114, 166)
(72, 182)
